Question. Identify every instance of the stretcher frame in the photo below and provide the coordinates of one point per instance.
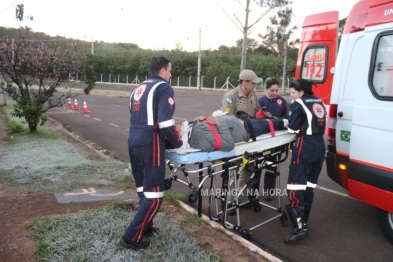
(219, 205)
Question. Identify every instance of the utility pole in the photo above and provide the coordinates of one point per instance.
(284, 67)
(92, 45)
(199, 63)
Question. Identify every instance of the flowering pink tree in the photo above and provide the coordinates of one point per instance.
(36, 69)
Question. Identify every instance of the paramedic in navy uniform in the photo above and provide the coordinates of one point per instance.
(307, 119)
(277, 106)
(152, 105)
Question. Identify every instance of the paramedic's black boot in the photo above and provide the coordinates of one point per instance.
(133, 245)
(298, 233)
(151, 231)
(307, 209)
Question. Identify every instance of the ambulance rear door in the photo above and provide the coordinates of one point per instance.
(370, 72)
(317, 52)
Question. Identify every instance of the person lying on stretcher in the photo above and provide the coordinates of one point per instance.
(221, 131)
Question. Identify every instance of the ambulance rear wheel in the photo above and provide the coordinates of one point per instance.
(191, 198)
(168, 183)
(385, 221)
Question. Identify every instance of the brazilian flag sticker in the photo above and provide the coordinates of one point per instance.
(345, 136)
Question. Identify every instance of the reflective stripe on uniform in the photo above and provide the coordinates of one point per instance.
(153, 194)
(309, 184)
(139, 189)
(167, 123)
(150, 118)
(309, 116)
(296, 187)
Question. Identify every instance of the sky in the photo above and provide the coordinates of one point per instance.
(156, 24)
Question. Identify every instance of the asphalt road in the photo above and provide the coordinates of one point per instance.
(340, 228)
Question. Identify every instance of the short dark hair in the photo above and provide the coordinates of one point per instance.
(157, 63)
(271, 81)
(302, 84)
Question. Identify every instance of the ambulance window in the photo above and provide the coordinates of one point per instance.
(382, 75)
(314, 63)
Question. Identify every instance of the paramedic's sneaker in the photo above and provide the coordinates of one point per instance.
(152, 230)
(133, 245)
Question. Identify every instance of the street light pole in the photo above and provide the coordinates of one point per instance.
(284, 68)
(92, 45)
(199, 63)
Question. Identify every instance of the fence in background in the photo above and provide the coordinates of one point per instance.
(177, 81)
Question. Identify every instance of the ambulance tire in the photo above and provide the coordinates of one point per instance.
(385, 221)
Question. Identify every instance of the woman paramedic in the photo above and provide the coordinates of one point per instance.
(277, 106)
(307, 119)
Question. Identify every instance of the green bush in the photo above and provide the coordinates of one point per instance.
(15, 127)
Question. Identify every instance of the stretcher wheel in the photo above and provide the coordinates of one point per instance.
(246, 233)
(191, 198)
(168, 183)
(256, 207)
(283, 218)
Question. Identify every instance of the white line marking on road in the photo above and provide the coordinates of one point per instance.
(86, 115)
(97, 119)
(113, 125)
(333, 191)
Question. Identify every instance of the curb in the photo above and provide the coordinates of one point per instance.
(237, 238)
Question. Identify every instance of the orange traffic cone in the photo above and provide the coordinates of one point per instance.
(76, 107)
(69, 105)
(85, 110)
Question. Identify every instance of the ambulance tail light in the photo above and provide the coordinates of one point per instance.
(331, 128)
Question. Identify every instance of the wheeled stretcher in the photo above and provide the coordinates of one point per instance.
(268, 149)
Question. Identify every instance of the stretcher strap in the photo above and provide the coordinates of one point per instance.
(271, 128)
(217, 137)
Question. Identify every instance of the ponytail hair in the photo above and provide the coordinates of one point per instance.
(302, 84)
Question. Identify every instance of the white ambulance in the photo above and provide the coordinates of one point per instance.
(357, 87)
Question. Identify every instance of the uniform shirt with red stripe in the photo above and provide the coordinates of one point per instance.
(152, 106)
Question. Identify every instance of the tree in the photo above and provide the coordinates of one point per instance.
(36, 69)
(278, 33)
(252, 44)
(277, 37)
(267, 6)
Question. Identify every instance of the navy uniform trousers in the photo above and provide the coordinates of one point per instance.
(150, 198)
(306, 165)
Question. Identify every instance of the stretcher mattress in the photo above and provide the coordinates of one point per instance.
(263, 142)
